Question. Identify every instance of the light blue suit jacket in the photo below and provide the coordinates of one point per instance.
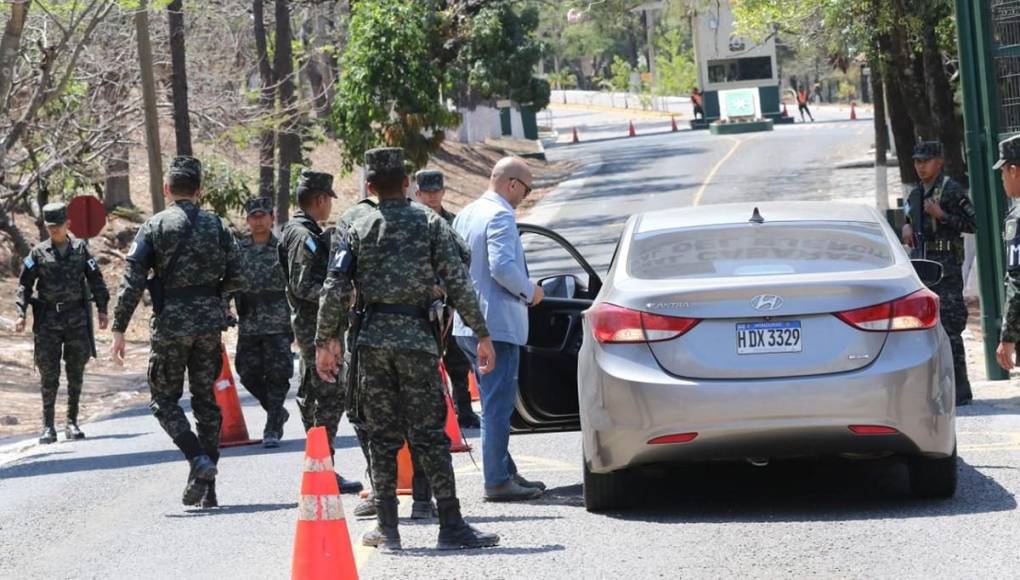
(498, 269)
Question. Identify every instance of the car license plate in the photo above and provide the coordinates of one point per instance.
(769, 337)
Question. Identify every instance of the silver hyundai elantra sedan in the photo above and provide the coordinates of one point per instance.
(745, 332)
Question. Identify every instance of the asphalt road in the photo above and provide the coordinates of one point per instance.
(109, 507)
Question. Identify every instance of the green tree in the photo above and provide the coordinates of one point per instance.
(497, 56)
(389, 90)
(674, 64)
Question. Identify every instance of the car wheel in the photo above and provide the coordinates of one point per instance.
(933, 478)
(604, 491)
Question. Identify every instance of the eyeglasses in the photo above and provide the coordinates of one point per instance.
(527, 188)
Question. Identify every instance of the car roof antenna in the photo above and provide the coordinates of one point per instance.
(756, 218)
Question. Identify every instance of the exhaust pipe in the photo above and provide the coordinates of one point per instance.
(758, 461)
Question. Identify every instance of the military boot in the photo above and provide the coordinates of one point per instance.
(270, 439)
(385, 536)
(209, 499)
(455, 533)
(203, 471)
(421, 492)
(49, 434)
(348, 485)
(71, 430)
(366, 508)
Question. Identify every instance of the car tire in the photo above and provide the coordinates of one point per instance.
(604, 491)
(933, 478)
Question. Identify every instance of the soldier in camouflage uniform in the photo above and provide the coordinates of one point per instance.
(195, 260)
(59, 269)
(938, 214)
(304, 254)
(264, 361)
(392, 259)
(431, 190)
(1009, 164)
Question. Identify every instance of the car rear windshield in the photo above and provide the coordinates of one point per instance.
(759, 250)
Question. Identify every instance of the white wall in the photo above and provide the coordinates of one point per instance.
(484, 123)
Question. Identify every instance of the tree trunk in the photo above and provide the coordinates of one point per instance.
(316, 37)
(902, 126)
(289, 140)
(267, 101)
(943, 108)
(151, 112)
(10, 45)
(179, 77)
(881, 137)
(21, 245)
(117, 192)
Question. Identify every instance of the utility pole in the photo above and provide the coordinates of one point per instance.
(981, 103)
(149, 101)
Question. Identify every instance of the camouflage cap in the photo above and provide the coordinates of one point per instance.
(54, 214)
(259, 205)
(1009, 151)
(315, 181)
(186, 167)
(429, 180)
(384, 161)
(926, 150)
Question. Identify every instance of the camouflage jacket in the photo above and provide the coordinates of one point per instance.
(58, 279)
(263, 308)
(305, 247)
(208, 260)
(397, 253)
(358, 211)
(959, 216)
(1011, 314)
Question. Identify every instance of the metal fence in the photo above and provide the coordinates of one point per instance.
(1006, 38)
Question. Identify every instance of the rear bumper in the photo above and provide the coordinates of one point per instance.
(626, 400)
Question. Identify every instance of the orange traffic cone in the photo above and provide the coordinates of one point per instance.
(473, 387)
(853, 111)
(233, 430)
(632, 132)
(322, 546)
(576, 138)
(405, 470)
(675, 128)
(457, 442)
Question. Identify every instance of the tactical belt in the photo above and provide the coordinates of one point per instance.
(60, 307)
(943, 245)
(401, 309)
(192, 292)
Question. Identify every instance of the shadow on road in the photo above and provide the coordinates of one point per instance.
(1009, 406)
(32, 467)
(802, 492)
(225, 510)
(481, 519)
(433, 553)
(115, 436)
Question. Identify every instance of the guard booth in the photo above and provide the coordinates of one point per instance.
(989, 33)
(728, 61)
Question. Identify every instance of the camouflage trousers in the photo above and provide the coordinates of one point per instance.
(321, 403)
(457, 366)
(953, 311)
(265, 364)
(201, 356)
(403, 398)
(52, 345)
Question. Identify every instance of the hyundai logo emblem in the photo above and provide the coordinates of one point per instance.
(767, 302)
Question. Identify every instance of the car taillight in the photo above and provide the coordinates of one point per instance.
(616, 324)
(918, 311)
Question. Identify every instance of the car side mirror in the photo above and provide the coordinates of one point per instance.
(563, 286)
(928, 271)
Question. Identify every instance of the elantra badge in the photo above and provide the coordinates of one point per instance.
(767, 302)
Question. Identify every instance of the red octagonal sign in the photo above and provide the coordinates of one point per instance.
(86, 216)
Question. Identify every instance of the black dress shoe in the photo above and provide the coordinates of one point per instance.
(469, 421)
(49, 435)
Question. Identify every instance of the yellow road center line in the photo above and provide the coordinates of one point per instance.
(711, 174)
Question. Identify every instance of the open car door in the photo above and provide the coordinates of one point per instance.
(548, 369)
